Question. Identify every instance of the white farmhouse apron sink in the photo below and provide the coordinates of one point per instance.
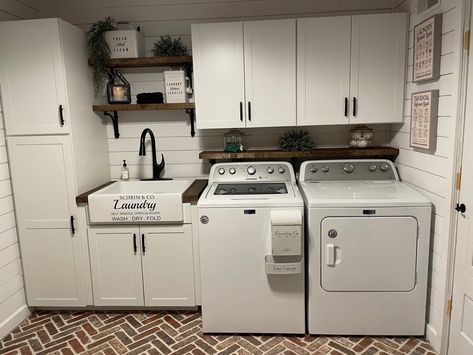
(138, 202)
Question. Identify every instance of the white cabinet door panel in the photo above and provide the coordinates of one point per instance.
(323, 70)
(32, 88)
(270, 73)
(218, 75)
(378, 67)
(168, 266)
(116, 267)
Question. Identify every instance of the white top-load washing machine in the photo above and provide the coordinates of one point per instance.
(251, 249)
(368, 248)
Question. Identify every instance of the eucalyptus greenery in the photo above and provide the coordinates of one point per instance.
(99, 51)
(296, 141)
(168, 47)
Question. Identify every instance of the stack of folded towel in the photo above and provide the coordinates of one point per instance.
(150, 98)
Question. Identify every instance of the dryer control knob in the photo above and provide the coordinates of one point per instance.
(325, 169)
(313, 169)
(270, 170)
(221, 171)
(349, 168)
(384, 167)
(372, 167)
(232, 171)
(282, 169)
(251, 170)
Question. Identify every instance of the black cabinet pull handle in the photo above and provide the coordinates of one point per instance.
(460, 208)
(143, 243)
(73, 228)
(135, 248)
(249, 111)
(346, 106)
(61, 116)
(241, 111)
(354, 107)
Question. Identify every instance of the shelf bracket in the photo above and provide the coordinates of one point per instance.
(191, 113)
(114, 119)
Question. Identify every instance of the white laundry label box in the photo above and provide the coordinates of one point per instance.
(286, 232)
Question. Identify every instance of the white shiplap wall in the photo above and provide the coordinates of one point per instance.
(172, 130)
(13, 308)
(433, 174)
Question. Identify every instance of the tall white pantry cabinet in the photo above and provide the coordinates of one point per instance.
(57, 147)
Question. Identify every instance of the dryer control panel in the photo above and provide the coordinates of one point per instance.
(342, 170)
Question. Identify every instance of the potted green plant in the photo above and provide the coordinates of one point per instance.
(294, 140)
(168, 47)
(99, 51)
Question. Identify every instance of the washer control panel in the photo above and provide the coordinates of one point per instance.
(340, 170)
(254, 171)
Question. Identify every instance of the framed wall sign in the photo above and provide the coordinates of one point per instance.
(427, 42)
(424, 109)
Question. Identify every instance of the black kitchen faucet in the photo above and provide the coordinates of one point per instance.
(157, 168)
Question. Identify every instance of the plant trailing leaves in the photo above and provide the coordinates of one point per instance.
(99, 51)
(168, 47)
(294, 140)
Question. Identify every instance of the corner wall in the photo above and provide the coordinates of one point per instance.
(433, 174)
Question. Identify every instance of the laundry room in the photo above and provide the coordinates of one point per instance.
(236, 177)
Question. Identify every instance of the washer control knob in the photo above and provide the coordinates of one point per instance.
(221, 171)
(325, 169)
(372, 167)
(270, 170)
(232, 171)
(384, 167)
(251, 170)
(282, 170)
(349, 168)
(313, 168)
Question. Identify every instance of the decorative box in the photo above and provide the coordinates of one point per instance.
(175, 83)
(125, 43)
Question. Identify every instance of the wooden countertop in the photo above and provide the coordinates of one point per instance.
(191, 195)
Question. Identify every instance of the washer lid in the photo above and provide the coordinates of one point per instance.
(361, 193)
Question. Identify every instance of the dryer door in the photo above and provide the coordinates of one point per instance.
(368, 253)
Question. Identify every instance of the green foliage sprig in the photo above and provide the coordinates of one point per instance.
(296, 141)
(99, 51)
(168, 47)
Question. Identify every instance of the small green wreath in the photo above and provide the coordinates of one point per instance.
(296, 141)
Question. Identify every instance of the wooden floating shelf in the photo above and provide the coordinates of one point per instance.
(143, 107)
(319, 153)
(144, 62)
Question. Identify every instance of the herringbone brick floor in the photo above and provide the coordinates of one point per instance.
(106, 333)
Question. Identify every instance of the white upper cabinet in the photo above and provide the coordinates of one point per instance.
(32, 78)
(244, 74)
(351, 69)
(378, 67)
(323, 70)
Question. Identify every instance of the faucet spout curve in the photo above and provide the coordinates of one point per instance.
(157, 168)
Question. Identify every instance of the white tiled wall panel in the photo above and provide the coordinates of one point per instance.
(433, 174)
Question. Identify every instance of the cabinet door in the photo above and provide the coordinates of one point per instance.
(323, 70)
(217, 51)
(270, 73)
(44, 191)
(116, 266)
(32, 77)
(168, 269)
(378, 63)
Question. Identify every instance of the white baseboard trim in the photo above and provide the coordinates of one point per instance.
(13, 320)
(433, 338)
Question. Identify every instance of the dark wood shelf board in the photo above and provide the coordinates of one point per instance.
(319, 153)
(144, 62)
(143, 107)
(193, 192)
(84, 197)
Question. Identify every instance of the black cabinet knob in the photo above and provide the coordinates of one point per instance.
(461, 208)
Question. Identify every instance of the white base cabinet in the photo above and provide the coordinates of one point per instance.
(142, 266)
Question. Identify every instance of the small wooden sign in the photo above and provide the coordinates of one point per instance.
(424, 108)
(427, 42)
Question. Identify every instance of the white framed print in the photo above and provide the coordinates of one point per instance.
(424, 117)
(427, 42)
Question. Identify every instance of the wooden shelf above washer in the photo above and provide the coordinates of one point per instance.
(143, 107)
(148, 62)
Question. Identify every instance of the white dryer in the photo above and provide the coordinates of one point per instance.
(368, 248)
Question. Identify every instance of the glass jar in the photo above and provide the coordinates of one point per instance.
(361, 137)
(233, 141)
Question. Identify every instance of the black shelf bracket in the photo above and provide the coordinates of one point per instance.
(114, 119)
(191, 113)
